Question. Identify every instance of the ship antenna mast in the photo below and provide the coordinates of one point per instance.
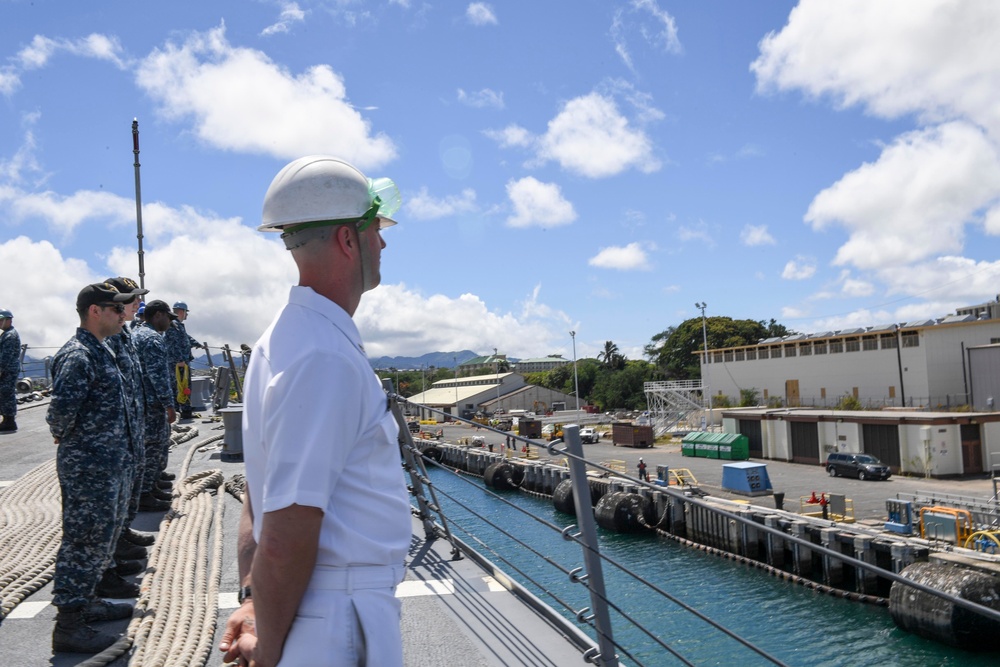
(138, 201)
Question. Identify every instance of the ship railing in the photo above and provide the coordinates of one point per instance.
(591, 576)
(595, 617)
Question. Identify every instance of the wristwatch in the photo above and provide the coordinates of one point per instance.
(244, 594)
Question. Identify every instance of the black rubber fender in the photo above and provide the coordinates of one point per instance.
(562, 497)
(503, 475)
(624, 512)
(432, 453)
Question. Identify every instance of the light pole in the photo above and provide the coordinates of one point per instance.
(704, 364)
(576, 380)
(455, 361)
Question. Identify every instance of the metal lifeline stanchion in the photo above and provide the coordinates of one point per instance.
(228, 354)
(208, 354)
(588, 534)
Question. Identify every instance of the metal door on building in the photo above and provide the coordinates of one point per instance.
(805, 442)
(751, 429)
(792, 393)
(972, 449)
(882, 441)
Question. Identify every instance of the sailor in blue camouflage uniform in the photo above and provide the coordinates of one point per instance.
(129, 551)
(159, 411)
(179, 356)
(89, 422)
(10, 367)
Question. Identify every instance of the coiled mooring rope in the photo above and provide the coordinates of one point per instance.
(30, 530)
(175, 616)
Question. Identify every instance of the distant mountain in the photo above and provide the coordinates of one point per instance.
(435, 359)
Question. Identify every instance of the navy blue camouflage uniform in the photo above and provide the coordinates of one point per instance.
(127, 358)
(89, 418)
(178, 345)
(158, 396)
(10, 367)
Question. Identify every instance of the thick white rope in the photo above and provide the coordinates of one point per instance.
(30, 531)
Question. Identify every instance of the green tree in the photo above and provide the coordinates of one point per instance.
(674, 350)
(609, 354)
(623, 388)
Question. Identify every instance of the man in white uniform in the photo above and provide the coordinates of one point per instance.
(326, 522)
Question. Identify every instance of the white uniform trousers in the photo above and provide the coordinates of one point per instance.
(349, 617)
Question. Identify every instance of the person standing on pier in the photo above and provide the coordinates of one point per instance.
(87, 419)
(326, 499)
(10, 367)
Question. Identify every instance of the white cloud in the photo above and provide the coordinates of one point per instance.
(481, 99)
(37, 54)
(25, 161)
(793, 313)
(699, 232)
(754, 235)
(800, 268)
(934, 58)
(512, 135)
(439, 322)
(538, 204)
(665, 37)
(855, 287)
(480, 13)
(44, 310)
(914, 201)
(624, 258)
(955, 280)
(643, 19)
(232, 300)
(423, 206)
(65, 213)
(240, 100)
(290, 13)
(590, 136)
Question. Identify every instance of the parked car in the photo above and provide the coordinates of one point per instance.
(589, 436)
(862, 466)
(413, 426)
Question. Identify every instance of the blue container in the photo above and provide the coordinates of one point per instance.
(746, 478)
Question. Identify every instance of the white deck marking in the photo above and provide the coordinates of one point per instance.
(414, 588)
(4, 485)
(27, 609)
(407, 589)
(229, 600)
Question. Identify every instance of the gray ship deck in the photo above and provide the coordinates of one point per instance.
(453, 612)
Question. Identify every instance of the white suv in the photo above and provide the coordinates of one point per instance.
(589, 436)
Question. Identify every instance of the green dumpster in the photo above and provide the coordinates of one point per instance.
(728, 446)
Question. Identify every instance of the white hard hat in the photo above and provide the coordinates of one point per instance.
(321, 188)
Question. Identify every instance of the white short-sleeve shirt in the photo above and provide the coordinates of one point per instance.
(317, 431)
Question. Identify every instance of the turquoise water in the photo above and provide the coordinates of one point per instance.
(796, 625)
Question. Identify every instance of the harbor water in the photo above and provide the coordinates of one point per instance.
(795, 625)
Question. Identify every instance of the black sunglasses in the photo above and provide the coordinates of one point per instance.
(119, 308)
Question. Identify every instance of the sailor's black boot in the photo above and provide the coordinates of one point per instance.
(73, 635)
(125, 550)
(137, 537)
(112, 585)
(9, 425)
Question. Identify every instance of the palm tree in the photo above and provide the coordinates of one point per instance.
(609, 354)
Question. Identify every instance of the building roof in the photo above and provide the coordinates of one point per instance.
(543, 360)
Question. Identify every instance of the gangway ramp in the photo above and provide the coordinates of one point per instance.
(670, 402)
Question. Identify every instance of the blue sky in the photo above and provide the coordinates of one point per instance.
(565, 165)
